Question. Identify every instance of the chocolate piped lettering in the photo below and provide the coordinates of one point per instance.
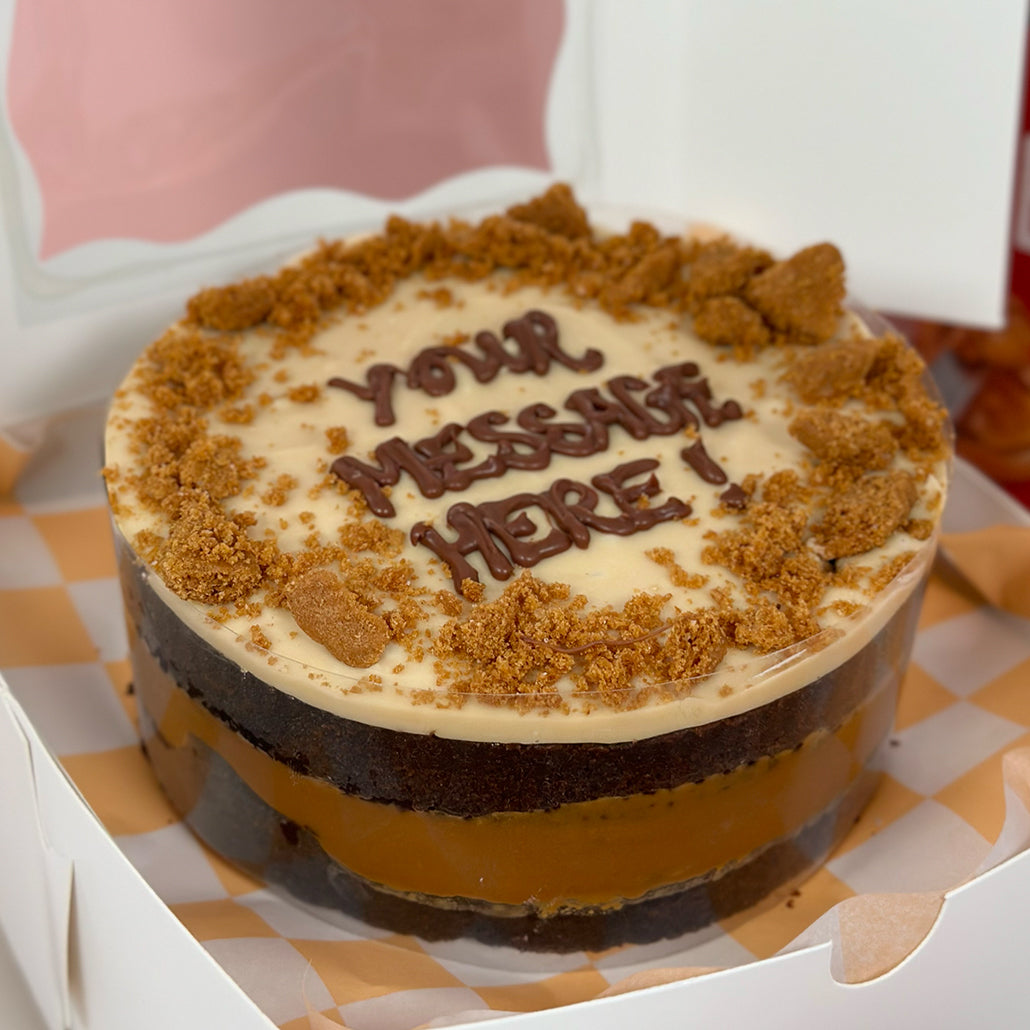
(537, 454)
(537, 342)
(526, 528)
(703, 464)
(505, 535)
(734, 497)
(438, 463)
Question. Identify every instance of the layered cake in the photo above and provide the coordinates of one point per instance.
(520, 580)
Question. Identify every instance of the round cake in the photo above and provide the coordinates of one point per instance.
(525, 581)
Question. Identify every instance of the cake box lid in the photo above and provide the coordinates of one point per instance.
(146, 153)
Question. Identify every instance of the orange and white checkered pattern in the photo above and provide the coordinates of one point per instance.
(965, 702)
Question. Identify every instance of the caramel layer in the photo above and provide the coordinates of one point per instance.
(580, 855)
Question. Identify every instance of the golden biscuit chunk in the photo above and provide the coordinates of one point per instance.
(865, 515)
(331, 614)
(802, 296)
(842, 439)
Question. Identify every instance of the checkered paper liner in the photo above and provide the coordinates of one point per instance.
(964, 713)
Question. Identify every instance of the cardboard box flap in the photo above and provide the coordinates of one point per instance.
(133, 174)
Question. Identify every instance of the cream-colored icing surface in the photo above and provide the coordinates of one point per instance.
(291, 437)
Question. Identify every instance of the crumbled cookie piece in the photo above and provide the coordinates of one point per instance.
(802, 296)
(372, 535)
(278, 491)
(784, 488)
(208, 556)
(338, 438)
(764, 627)
(647, 281)
(695, 645)
(844, 439)
(864, 516)
(306, 393)
(238, 414)
(258, 638)
(756, 551)
(679, 576)
(235, 307)
(183, 367)
(920, 529)
(888, 572)
(556, 211)
(448, 602)
(728, 321)
(722, 267)
(441, 297)
(332, 615)
(178, 459)
(833, 372)
(518, 646)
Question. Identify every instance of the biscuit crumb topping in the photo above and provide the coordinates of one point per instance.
(865, 515)
(334, 616)
(519, 647)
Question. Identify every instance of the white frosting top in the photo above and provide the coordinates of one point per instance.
(291, 436)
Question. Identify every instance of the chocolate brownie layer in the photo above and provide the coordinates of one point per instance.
(467, 778)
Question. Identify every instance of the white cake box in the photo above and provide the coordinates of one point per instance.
(737, 115)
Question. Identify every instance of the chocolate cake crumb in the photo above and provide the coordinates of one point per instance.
(864, 516)
(331, 614)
